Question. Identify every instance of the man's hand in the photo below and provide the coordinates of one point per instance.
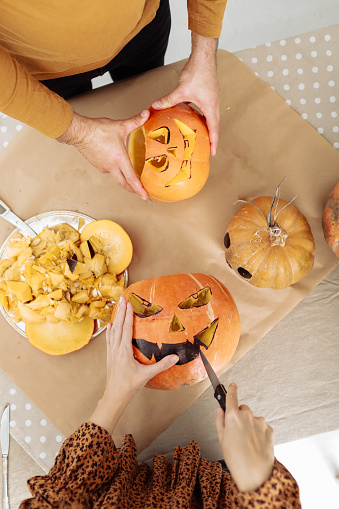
(102, 141)
(198, 83)
(246, 442)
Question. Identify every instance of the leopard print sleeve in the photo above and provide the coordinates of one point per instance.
(280, 490)
(90, 472)
(87, 460)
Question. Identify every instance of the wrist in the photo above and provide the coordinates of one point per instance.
(109, 410)
(77, 131)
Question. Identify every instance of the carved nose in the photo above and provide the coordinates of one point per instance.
(176, 325)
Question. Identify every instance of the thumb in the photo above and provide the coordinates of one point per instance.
(137, 121)
(167, 101)
(165, 363)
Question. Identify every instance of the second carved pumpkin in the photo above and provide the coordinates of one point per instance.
(170, 153)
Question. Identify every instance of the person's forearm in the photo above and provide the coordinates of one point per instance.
(109, 410)
(204, 49)
(24, 98)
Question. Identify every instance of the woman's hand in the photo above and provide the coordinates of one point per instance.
(125, 375)
(246, 442)
(198, 83)
(102, 141)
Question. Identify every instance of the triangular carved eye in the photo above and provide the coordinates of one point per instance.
(142, 307)
(196, 300)
(206, 336)
(162, 135)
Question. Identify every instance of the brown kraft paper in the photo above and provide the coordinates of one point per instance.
(261, 140)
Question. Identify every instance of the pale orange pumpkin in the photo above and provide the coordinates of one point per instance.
(170, 153)
(269, 243)
(330, 220)
(180, 314)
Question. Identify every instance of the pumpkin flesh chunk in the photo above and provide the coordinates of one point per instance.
(20, 289)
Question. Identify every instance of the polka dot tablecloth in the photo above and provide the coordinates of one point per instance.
(304, 71)
(8, 129)
(28, 425)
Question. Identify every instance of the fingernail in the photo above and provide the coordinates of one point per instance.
(121, 300)
(174, 359)
(233, 385)
(157, 103)
(144, 113)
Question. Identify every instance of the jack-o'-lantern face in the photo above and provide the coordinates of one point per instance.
(181, 314)
(170, 153)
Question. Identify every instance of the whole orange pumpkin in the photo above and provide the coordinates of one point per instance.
(269, 243)
(330, 220)
(170, 153)
(180, 314)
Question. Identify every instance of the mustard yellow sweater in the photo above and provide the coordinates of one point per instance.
(42, 40)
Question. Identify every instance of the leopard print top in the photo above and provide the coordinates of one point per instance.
(90, 472)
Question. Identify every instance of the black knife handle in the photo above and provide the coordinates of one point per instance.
(220, 396)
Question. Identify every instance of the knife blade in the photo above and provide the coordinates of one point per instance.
(4, 442)
(219, 389)
(8, 215)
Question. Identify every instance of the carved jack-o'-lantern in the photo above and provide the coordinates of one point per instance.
(170, 153)
(179, 314)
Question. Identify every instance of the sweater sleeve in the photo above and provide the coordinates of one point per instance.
(205, 17)
(86, 462)
(29, 101)
(280, 490)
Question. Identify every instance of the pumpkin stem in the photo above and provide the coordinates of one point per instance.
(247, 201)
(276, 202)
(285, 206)
(278, 236)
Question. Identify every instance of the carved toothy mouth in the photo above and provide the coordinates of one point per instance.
(186, 351)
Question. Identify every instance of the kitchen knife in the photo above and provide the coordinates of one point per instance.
(4, 441)
(219, 390)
